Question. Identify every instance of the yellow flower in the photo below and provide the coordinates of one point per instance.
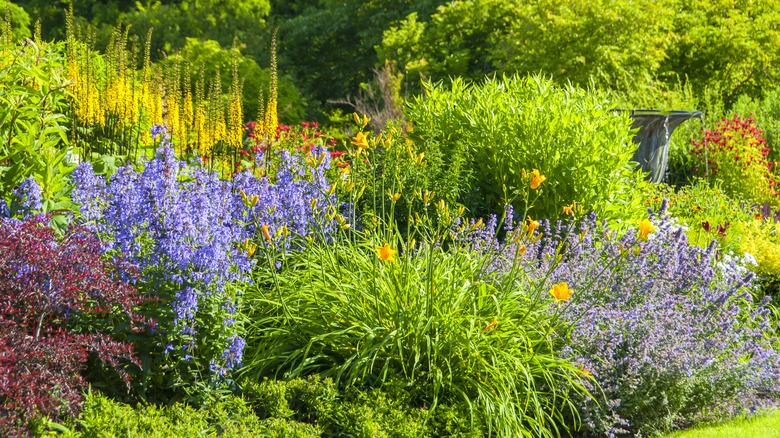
(360, 140)
(521, 250)
(645, 227)
(537, 179)
(532, 224)
(386, 253)
(560, 291)
(568, 210)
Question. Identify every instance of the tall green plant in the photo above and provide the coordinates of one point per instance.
(371, 307)
(505, 125)
(33, 134)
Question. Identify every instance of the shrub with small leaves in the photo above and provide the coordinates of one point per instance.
(47, 282)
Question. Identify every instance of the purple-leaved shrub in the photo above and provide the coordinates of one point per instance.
(189, 231)
(666, 334)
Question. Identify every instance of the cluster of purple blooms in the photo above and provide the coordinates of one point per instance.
(186, 227)
(26, 199)
(667, 334)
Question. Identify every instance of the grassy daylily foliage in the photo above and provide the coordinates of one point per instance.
(433, 318)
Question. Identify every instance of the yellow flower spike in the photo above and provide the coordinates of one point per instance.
(645, 227)
(532, 225)
(266, 233)
(386, 253)
(537, 179)
(361, 141)
(561, 291)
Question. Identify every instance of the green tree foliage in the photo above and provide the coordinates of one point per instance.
(173, 20)
(329, 46)
(214, 58)
(18, 18)
(622, 45)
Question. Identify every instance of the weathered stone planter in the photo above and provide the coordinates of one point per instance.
(655, 130)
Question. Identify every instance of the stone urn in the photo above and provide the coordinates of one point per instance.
(652, 139)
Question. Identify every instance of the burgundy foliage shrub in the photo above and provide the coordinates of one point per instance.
(45, 282)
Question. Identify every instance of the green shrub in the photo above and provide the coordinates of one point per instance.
(707, 211)
(33, 132)
(503, 126)
(373, 413)
(766, 113)
(228, 416)
(432, 318)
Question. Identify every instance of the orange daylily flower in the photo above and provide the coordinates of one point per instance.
(266, 233)
(386, 253)
(532, 224)
(537, 179)
(567, 210)
(560, 291)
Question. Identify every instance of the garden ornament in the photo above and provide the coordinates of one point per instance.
(655, 130)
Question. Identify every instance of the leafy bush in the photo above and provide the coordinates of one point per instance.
(502, 126)
(374, 413)
(431, 318)
(706, 212)
(33, 139)
(48, 285)
(226, 416)
(669, 336)
(760, 239)
(734, 154)
(766, 113)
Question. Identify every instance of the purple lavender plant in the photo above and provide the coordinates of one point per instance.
(665, 337)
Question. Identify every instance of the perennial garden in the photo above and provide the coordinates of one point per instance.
(490, 264)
